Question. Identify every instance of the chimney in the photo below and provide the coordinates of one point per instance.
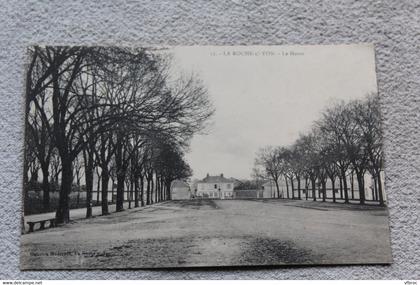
(208, 175)
(221, 175)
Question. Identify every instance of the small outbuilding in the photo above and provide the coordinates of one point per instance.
(248, 193)
(269, 189)
(180, 190)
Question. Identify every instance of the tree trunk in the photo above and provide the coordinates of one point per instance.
(156, 190)
(33, 174)
(112, 190)
(120, 192)
(142, 190)
(293, 187)
(346, 194)
(313, 189)
(381, 196)
(78, 192)
(360, 183)
(148, 191)
(352, 185)
(306, 188)
(162, 187)
(62, 214)
(333, 187)
(129, 189)
(136, 191)
(89, 185)
(25, 172)
(298, 186)
(104, 198)
(152, 190)
(121, 169)
(98, 189)
(341, 187)
(277, 188)
(324, 190)
(159, 198)
(56, 174)
(168, 189)
(374, 189)
(45, 187)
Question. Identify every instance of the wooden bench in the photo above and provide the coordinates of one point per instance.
(52, 224)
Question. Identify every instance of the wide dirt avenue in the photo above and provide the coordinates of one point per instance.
(215, 233)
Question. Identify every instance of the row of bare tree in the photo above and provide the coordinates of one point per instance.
(345, 141)
(118, 112)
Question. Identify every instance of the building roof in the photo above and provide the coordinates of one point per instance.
(179, 183)
(216, 179)
(235, 181)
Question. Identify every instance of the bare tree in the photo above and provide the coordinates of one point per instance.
(55, 164)
(270, 160)
(107, 104)
(79, 171)
(32, 162)
(296, 163)
(368, 118)
(103, 154)
(38, 129)
(307, 144)
(336, 124)
(346, 140)
(329, 157)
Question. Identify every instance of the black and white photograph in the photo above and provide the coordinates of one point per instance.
(202, 156)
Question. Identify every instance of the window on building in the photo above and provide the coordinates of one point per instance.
(215, 186)
(228, 186)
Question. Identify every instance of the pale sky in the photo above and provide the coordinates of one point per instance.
(263, 96)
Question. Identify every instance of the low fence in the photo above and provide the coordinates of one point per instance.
(34, 202)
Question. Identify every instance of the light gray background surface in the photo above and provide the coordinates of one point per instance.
(394, 26)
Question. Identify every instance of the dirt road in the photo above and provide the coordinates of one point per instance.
(215, 232)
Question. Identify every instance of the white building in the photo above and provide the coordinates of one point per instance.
(215, 187)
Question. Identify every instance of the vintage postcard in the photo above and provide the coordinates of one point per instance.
(202, 156)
